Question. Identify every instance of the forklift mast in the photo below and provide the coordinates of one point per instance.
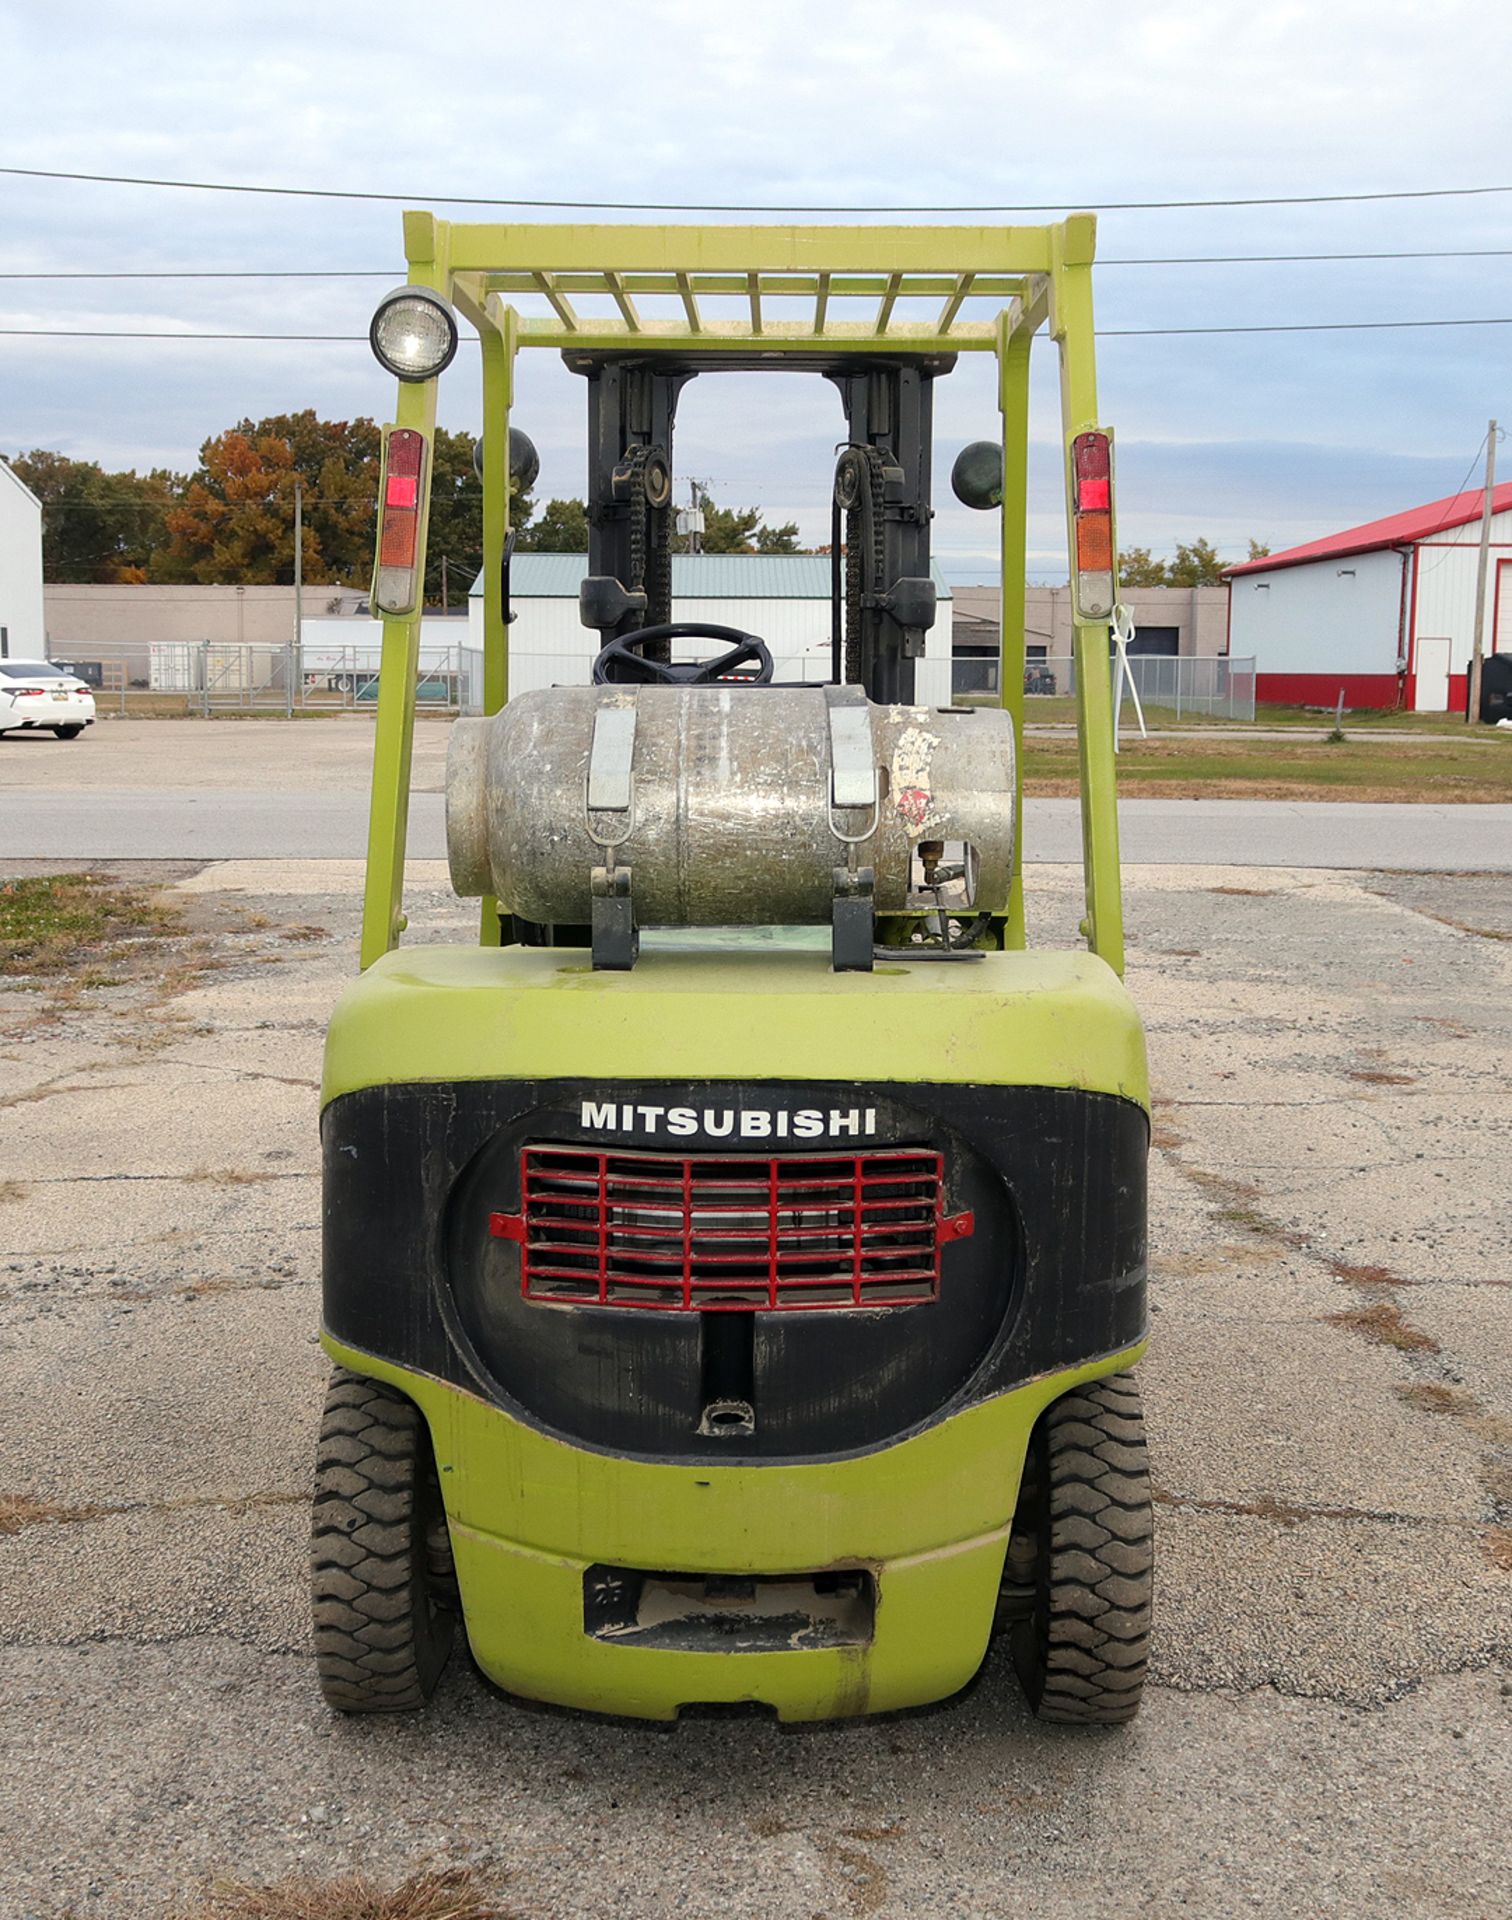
(632, 408)
(883, 593)
(880, 521)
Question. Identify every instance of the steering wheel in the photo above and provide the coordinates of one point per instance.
(620, 663)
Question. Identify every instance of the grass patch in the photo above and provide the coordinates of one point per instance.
(452, 1895)
(1497, 1480)
(1383, 1326)
(18, 1510)
(1367, 1276)
(75, 924)
(1429, 1396)
(1498, 1545)
(232, 1176)
(1463, 926)
(1473, 770)
(1059, 710)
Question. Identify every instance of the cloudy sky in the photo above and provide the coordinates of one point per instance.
(1281, 436)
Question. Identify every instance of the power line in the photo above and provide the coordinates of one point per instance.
(1103, 333)
(143, 333)
(238, 273)
(1301, 326)
(711, 206)
(1450, 503)
(388, 273)
(1276, 259)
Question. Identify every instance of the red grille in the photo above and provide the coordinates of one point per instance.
(706, 1234)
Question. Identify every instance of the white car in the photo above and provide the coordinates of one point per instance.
(37, 695)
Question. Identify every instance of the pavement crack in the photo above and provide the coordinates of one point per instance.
(20, 1510)
(199, 1174)
(56, 1088)
(1290, 1513)
(240, 1073)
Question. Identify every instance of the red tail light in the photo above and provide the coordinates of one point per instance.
(1092, 513)
(399, 522)
(700, 1233)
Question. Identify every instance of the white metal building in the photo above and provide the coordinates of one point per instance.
(23, 633)
(784, 598)
(1385, 611)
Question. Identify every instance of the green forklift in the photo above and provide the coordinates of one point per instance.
(734, 1262)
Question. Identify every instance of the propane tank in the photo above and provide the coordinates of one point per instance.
(730, 806)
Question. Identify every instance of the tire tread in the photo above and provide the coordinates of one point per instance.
(1084, 1656)
(379, 1647)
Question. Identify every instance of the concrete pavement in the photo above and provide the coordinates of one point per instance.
(1329, 1388)
(259, 824)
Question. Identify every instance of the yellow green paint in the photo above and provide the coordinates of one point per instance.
(1044, 1018)
(929, 1517)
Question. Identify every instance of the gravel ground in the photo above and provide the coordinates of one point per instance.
(1330, 1728)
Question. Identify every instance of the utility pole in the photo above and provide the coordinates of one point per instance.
(445, 600)
(296, 652)
(1472, 705)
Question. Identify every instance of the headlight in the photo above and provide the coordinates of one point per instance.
(413, 334)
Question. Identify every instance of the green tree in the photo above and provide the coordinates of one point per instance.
(96, 526)
(736, 529)
(1195, 565)
(1137, 569)
(560, 527)
(783, 539)
(456, 518)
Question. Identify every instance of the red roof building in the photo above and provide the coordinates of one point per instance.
(1385, 611)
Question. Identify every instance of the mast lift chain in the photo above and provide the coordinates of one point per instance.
(643, 479)
(863, 475)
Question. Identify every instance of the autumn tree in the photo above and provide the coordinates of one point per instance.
(234, 522)
(96, 526)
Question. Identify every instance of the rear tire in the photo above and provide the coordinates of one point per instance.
(381, 1566)
(1085, 1528)
(68, 733)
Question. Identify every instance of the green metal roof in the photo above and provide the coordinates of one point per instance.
(695, 576)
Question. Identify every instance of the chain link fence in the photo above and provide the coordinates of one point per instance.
(212, 676)
(1218, 688)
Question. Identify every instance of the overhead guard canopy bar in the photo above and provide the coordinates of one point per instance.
(750, 267)
(751, 249)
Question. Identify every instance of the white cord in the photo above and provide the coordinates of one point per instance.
(1123, 633)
